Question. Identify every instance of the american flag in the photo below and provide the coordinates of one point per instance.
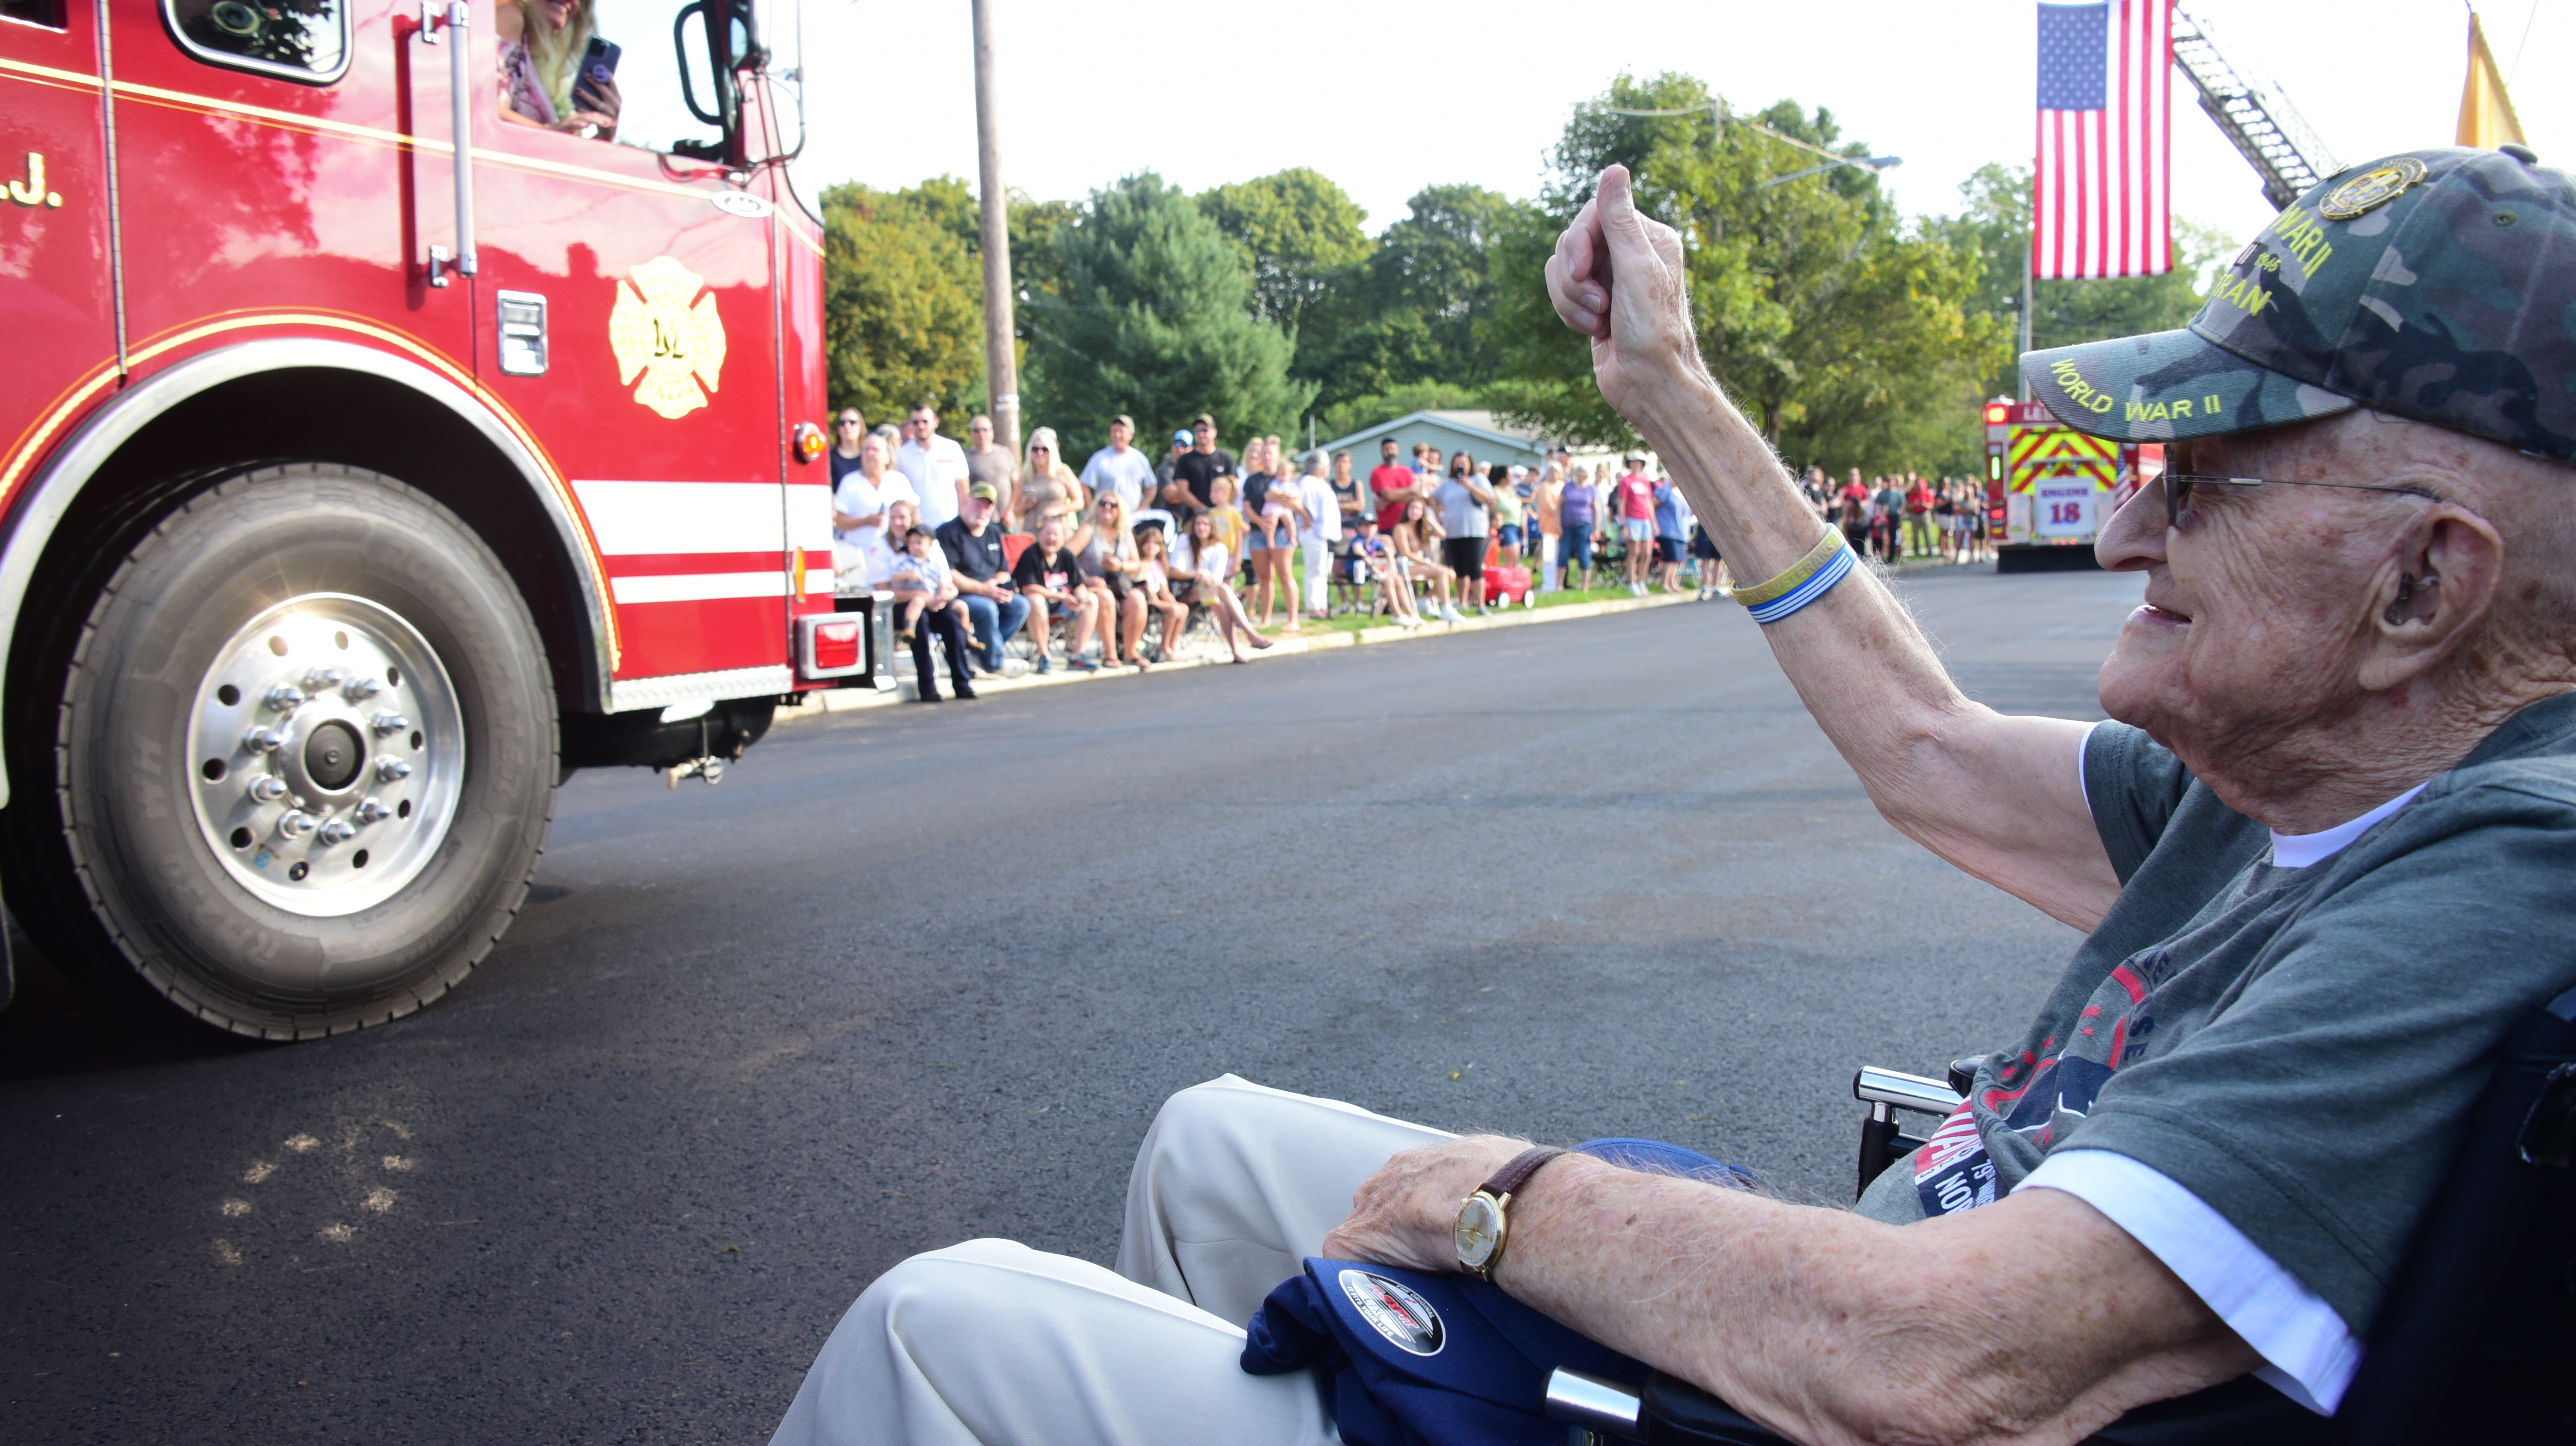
(2099, 207)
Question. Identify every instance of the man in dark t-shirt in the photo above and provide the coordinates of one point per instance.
(973, 541)
(847, 430)
(1195, 470)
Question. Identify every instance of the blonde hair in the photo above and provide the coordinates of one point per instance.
(1045, 437)
(554, 54)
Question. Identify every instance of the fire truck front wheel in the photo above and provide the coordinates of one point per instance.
(303, 763)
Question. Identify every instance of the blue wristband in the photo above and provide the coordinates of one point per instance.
(1806, 592)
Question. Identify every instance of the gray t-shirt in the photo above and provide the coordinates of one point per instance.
(1461, 515)
(2298, 1047)
(996, 469)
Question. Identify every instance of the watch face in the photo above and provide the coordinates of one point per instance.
(1479, 1231)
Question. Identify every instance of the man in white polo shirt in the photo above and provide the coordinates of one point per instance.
(935, 465)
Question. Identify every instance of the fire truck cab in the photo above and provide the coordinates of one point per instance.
(368, 462)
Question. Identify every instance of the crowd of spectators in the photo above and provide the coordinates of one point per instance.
(1894, 517)
(1114, 565)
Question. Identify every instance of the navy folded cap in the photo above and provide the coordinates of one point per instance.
(1454, 1332)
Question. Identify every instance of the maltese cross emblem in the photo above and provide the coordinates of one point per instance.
(658, 334)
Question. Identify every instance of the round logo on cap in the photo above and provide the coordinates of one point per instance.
(2377, 186)
(1400, 1315)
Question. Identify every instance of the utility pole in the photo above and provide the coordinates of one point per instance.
(2029, 260)
(1001, 365)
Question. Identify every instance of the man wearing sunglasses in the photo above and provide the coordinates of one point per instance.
(2322, 859)
(847, 430)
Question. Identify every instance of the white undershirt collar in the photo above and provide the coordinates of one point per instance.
(2301, 850)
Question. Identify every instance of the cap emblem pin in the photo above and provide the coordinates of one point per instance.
(2375, 187)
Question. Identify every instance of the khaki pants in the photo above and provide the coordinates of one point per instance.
(991, 1342)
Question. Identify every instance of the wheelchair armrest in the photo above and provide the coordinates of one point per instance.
(1895, 1089)
(1886, 1091)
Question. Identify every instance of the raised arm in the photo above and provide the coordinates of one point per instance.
(1997, 795)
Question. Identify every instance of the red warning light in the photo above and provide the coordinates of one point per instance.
(1998, 413)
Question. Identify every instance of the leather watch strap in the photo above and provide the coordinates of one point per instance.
(1517, 1171)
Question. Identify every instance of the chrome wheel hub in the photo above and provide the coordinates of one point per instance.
(326, 752)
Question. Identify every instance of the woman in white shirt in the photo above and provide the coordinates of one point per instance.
(861, 558)
(1203, 560)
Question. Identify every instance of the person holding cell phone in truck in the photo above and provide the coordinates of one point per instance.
(555, 72)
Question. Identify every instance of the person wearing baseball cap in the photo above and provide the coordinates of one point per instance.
(980, 566)
(2320, 854)
(1195, 470)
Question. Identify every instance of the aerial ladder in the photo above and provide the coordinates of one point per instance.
(2265, 128)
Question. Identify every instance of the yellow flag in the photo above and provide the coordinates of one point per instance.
(2486, 112)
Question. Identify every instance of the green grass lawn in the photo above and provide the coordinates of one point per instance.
(1347, 623)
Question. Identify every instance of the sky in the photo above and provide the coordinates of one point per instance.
(1387, 96)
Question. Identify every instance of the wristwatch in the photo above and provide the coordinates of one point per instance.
(1483, 1228)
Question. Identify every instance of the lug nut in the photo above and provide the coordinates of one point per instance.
(263, 740)
(285, 697)
(362, 688)
(294, 823)
(389, 723)
(338, 830)
(370, 811)
(266, 789)
(392, 770)
(322, 680)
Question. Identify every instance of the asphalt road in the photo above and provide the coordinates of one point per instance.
(918, 974)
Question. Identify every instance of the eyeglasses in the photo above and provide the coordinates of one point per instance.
(849, 421)
(2178, 487)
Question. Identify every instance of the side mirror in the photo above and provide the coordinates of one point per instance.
(730, 40)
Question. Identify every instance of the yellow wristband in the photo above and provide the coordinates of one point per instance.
(1799, 571)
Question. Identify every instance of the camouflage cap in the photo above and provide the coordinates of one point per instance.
(2438, 285)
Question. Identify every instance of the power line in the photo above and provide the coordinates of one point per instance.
(1719, 114)
(1724, 117)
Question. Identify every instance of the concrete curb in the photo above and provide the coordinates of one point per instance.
(840, 700)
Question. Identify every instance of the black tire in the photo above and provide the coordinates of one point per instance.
(112, 864)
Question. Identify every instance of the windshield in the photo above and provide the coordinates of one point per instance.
(656, 113)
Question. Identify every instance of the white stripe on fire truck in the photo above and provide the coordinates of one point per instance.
(809, 517)
(671, 517)
(710, 586)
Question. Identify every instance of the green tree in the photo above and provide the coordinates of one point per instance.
(1152, 315)
(1293, 229)
(1413, 310)
(903, 301)
(1839, 329)
(953, 206)
(2065, 313)
(1344, 418)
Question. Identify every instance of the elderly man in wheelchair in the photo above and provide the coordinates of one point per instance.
(2268, 1156)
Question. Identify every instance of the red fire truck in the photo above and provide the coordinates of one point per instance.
(370, 464)
(2049, 487)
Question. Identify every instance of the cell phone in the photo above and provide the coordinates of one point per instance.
(599, 63)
